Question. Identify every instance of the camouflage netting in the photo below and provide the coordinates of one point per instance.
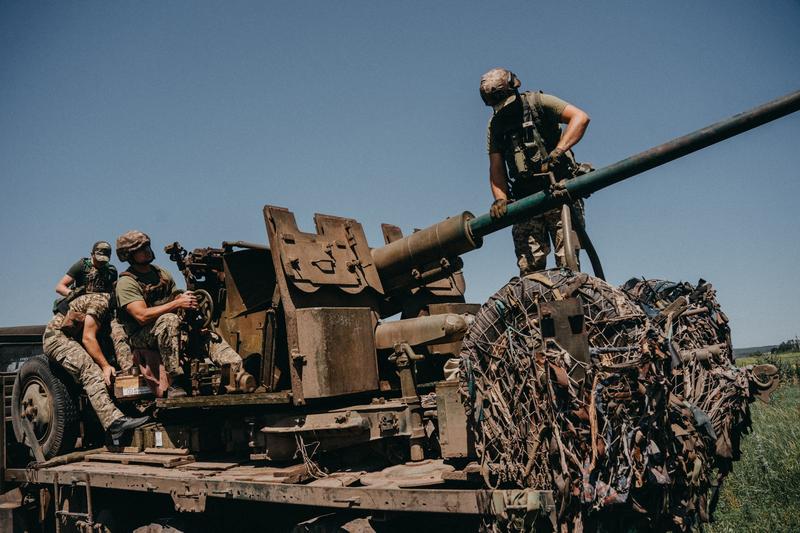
(649, 432)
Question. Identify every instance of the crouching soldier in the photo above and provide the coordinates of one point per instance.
(147, 302)
(70, 339)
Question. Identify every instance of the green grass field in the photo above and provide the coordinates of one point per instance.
(791, 357)
(763, 492)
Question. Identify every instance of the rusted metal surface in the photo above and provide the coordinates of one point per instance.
(227, 400)
(162, 460)
(424, 254)
(249, 286)
(329, 268)
(432, 329)
(451, 349)
(282, 437)
(31, 440)
(230, 484)
(454, 438)
(563, 322)
(336, 255)
(337, 348)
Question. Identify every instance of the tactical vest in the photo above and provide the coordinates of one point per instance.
(154, 293)
(525, 148)
(90, 280)
(97, 279)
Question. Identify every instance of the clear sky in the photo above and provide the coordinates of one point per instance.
(184, 118)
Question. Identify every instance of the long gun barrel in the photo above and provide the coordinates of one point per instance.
(465, 233)
(587, 184)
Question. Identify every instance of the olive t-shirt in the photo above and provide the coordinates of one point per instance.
(552, 107)
(128, 290)
(84, 274)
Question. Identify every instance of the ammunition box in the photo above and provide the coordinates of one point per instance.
(132, 388)
(193, 438)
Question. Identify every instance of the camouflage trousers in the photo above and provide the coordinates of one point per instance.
(72, 356)
(121, 346)
(532, 239)
(163, 335)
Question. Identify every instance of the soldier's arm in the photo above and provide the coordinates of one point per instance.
(89, 341)
(62, 287)
(577, 121)
(498, 180)
(144, 315)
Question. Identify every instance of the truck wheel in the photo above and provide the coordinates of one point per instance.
(42, 396)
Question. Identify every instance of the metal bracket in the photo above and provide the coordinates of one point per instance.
(83, 521)
(189, 502)
(517, 505)
(563, 322)
(30, 436)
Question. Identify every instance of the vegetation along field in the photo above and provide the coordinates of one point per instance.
(763, 492)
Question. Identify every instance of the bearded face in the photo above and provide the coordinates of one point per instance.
(142, 256)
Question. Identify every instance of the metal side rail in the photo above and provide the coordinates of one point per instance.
(190, 490)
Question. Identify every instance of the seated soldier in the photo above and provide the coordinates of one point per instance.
(79, 353)
(93, 274)
(147, 300)
(90, 275)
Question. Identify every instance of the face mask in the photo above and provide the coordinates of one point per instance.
(100, 259)
(509, 117)
(101, 255)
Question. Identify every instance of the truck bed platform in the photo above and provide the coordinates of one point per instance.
(191, 483)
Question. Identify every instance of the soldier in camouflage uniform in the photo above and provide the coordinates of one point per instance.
(524, 138)
(78, 351)
(147, 300)
(95, 274)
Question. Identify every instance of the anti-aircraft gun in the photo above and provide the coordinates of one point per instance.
(308, 313)
(339, 385)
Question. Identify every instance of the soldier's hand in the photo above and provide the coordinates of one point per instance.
(555, 160)
(109, 372)
(186, 300)
(499, 208)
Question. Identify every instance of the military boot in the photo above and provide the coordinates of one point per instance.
(125, 423)
(177, 389)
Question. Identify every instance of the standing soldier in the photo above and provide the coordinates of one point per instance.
(70, 339)
(95, 274)
(147, 300)
(525, 141)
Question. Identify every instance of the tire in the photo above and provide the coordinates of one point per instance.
(44, 385)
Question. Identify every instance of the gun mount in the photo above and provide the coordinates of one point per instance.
(307, 312)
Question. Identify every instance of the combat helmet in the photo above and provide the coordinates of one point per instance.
(499, 88)
(129, 242)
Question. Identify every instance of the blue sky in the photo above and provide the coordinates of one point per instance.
(183, 119)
